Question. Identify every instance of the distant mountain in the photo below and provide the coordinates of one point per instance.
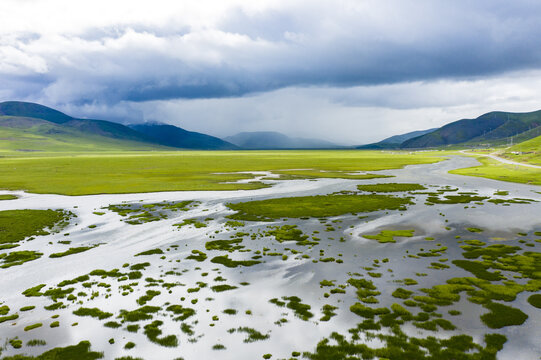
(492, 127)
(34, 127)
(275, 140)
(174, 136)
(394, 142)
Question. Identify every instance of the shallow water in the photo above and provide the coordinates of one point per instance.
(273, 278)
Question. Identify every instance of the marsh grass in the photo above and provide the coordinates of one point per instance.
(315, 206)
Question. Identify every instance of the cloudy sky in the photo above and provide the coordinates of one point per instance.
(349, 71)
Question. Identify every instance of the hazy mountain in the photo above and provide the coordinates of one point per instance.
(395, 141)
(488, 128)
(174, 136)
(276, 140)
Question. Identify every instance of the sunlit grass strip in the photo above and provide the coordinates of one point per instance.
(130, 172)
(315, 206)
(493, 169)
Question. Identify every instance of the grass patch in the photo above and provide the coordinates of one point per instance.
(182, 312)
(502, 315)
(387, 236)
(80, 351)
(18, 258)
(478, 269)
(492, 169)
(150, 252)
(33, 326)
(8, 197)
(535, 300)
(153, 331)
(16, 225)
(230, 263)
(315, 206)
(222, 288)
(390, 187)
(252, 334)
(142, 313)
(71, 251)
(93, 312)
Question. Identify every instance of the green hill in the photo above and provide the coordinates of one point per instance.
(525, 152)
(30, 135)
(494, 128)
(395, 141)
(177, 137)
(31, 110)
(32, 127)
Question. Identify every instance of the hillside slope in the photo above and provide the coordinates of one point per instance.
(395, 141)
(174, 136)
(32, 127)
(488, 127)
(30, 135)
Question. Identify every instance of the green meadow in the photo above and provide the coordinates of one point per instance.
(132, 172)
(496, 170)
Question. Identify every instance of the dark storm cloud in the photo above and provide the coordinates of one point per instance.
(334, 44)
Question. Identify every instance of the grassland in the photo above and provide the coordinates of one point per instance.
(131, 172)
(496, 170)
(43, 136)
(16, 225)
(528, 152)
(315, 206)
(8, 197)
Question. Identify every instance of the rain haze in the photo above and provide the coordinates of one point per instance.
(350, 72)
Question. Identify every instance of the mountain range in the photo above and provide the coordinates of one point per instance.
(395, 141)
(34, 127)
(493, 128)
(28, 126)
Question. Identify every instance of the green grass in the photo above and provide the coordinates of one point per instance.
(71, 251)
(315, 206)
(230, 263)
(222, 288)
(142, 313)
(80, 351)
(153, 331)
(387, 236)
(150, 252)
(129, 172)
(33, 326)
(390, 187)
(529, 152)
(496, 170)
(8, 318)
(93, 312)
(502, 315)
(16, 225)
(182, 312)
(8, 197)
(535, 300)
(252, 334)
(18, 258)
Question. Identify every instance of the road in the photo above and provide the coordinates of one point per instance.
(502, 160)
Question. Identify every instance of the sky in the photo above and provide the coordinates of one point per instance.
(347, 71)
